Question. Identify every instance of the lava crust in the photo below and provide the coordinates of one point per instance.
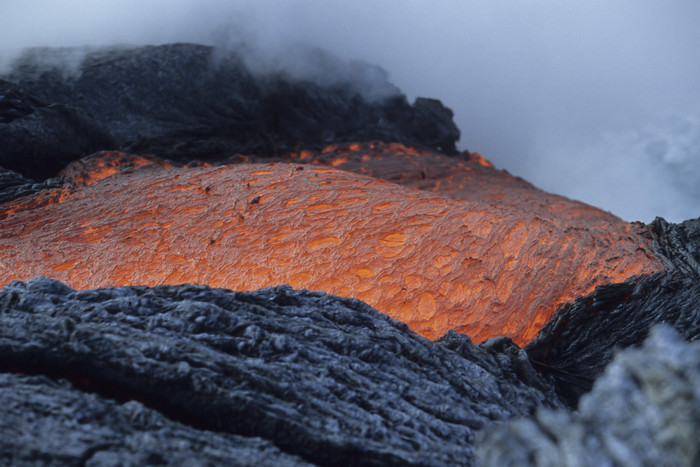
(474, 249)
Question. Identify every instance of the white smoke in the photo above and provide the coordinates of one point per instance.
(651, 169)
(573, 96)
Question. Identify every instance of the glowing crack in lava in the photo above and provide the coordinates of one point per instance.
(473, 249)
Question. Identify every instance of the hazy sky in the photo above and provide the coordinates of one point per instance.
(597, 100)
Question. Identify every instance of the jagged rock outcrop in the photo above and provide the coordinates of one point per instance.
(644, 410)
(580, 339)
(435, 262)
(39, 137)
(188, 101)
(319, 378)
(679, 245)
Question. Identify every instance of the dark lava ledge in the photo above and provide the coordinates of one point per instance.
(188, 101)
(580, 339)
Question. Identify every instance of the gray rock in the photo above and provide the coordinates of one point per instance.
(644, 410)
(579, 341)
(324, 379)
(47, 422)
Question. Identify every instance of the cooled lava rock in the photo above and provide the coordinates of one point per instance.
(644, 410)
(576, 345)
(14, 185)
(50, 422)
(171, 373)
(39, 137)
(188, 101)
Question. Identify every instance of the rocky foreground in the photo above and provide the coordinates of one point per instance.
(325, 380)
(263, 180)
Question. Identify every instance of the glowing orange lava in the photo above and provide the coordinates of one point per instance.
(474, 249)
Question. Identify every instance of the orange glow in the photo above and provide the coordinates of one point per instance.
(479, 159)
(473, 248)
(92, 169)
(466, 176)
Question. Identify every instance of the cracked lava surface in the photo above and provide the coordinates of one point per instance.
(437, 242)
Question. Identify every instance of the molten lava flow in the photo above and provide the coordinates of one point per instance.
(482, 264)
(466, 176)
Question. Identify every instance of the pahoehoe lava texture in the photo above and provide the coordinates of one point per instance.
(481, 266)
(326, 379)
(188, 101)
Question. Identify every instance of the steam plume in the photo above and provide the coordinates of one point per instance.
(595, 100)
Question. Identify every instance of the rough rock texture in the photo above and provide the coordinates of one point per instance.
(39, 137)
(325, 379)
(432, 261)
(679, 245)
(187, 101)
(644, 410)
(48, 422)
(13, 185)
(580, 339)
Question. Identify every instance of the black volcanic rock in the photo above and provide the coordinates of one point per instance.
(13, 185)
(38, 138)
(48, 422)
(579, 341)
(679, 244)
(324, 379)
(644, 410)
(187, 102)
